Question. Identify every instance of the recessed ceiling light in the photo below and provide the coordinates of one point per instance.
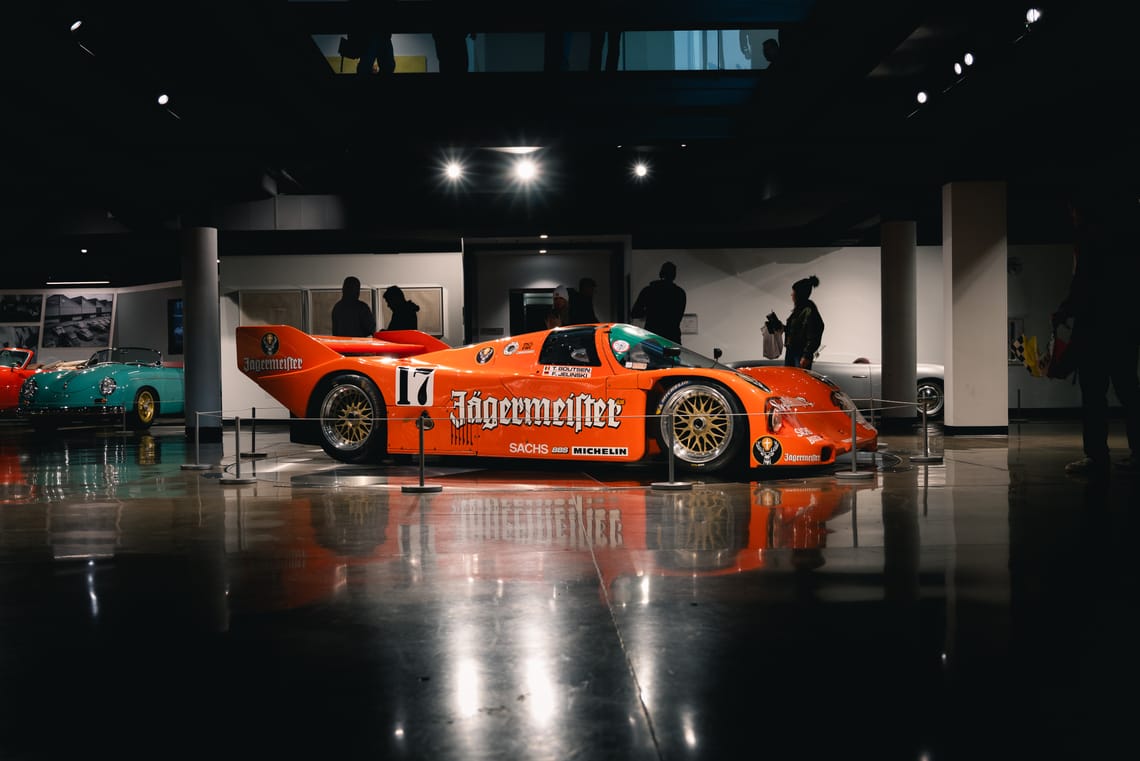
(163, 99)
(968, 59)
(542, 250)
(544, 236)
(957, 68)
(454, 170)
(526, 170)
(76, 24)
(640, 169)
(1032, 16)
(83, 251)
(921, 97)
(517, 150)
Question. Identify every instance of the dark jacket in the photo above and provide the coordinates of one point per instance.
(404, 316)
(352, 317)
(803, 331)
(662, 304)
(581, 310)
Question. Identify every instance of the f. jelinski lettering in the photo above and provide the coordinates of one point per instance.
(576, 411)
(251, 365)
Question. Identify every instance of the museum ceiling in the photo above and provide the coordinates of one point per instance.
(815, 151)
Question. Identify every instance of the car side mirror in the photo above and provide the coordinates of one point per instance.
(717, 353)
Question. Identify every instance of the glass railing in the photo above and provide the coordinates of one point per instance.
(673, 50)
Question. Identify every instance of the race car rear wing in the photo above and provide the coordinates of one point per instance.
(385, 343)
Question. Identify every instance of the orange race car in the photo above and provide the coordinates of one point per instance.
(602, 393)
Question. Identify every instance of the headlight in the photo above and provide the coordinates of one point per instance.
(28, 391)
(107, 386)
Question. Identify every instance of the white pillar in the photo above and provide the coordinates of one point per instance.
(975, 307)
(202, 337)
(899, 285)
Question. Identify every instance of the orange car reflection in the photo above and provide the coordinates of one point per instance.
(397, 542)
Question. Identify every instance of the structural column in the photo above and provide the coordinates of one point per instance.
(899, 280)
(975, 307)
(201, 337)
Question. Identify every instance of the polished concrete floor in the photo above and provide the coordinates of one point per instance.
(981, 606)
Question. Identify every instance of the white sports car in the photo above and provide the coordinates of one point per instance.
(863, 382)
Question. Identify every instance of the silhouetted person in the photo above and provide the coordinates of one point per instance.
(553, 318)
(371, 35)
(582, 302)
(771, 50)
(1106, 325)
(759, 47)
(561, 304)
(404, 312)
(803, 331)
(450, 37)
(350, 315)
(662, 304)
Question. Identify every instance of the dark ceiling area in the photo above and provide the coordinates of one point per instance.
(816, 152)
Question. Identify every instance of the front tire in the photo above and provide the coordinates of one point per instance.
(702, 424)
(930, 391)
(351, 412)
(143, 410)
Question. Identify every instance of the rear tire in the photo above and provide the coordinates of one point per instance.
(351, 416)
(702, 424)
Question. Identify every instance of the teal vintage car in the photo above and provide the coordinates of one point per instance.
(128, 386)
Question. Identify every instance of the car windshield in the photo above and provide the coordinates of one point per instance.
(13, 358)
(126, 357)
(638, 349)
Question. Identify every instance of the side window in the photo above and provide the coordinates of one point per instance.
(575, 346)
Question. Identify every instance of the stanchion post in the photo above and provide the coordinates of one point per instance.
(197, 464)
(854, 472)
(237, 478)
(925, 456)
(253, 453)
(423, 423)
(671, 484)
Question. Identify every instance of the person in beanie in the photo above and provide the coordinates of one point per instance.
(803, 331)
(662, 304)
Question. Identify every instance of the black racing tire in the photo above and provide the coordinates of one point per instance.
(351, 414)
(931, 391)
(702, 422)
(144, 409)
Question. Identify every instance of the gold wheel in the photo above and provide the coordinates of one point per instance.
(699, 424)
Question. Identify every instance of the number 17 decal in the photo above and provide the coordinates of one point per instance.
(415, 386)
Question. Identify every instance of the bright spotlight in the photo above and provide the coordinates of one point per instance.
(958, 69)
(921, 97)
(968, 59)
(640, 169)
(163, 99)
(1032, 16)
(76, 24)
(526, 170)
(454, 170)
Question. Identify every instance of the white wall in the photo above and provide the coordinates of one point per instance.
(237, 273)
(731, 290)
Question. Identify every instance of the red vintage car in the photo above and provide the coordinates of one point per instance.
(15, 367)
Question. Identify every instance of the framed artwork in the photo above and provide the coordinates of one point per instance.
(271, 308)
(430, 300)
(83, 320)
(21, 307)
(321, 302)
(20, 336)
